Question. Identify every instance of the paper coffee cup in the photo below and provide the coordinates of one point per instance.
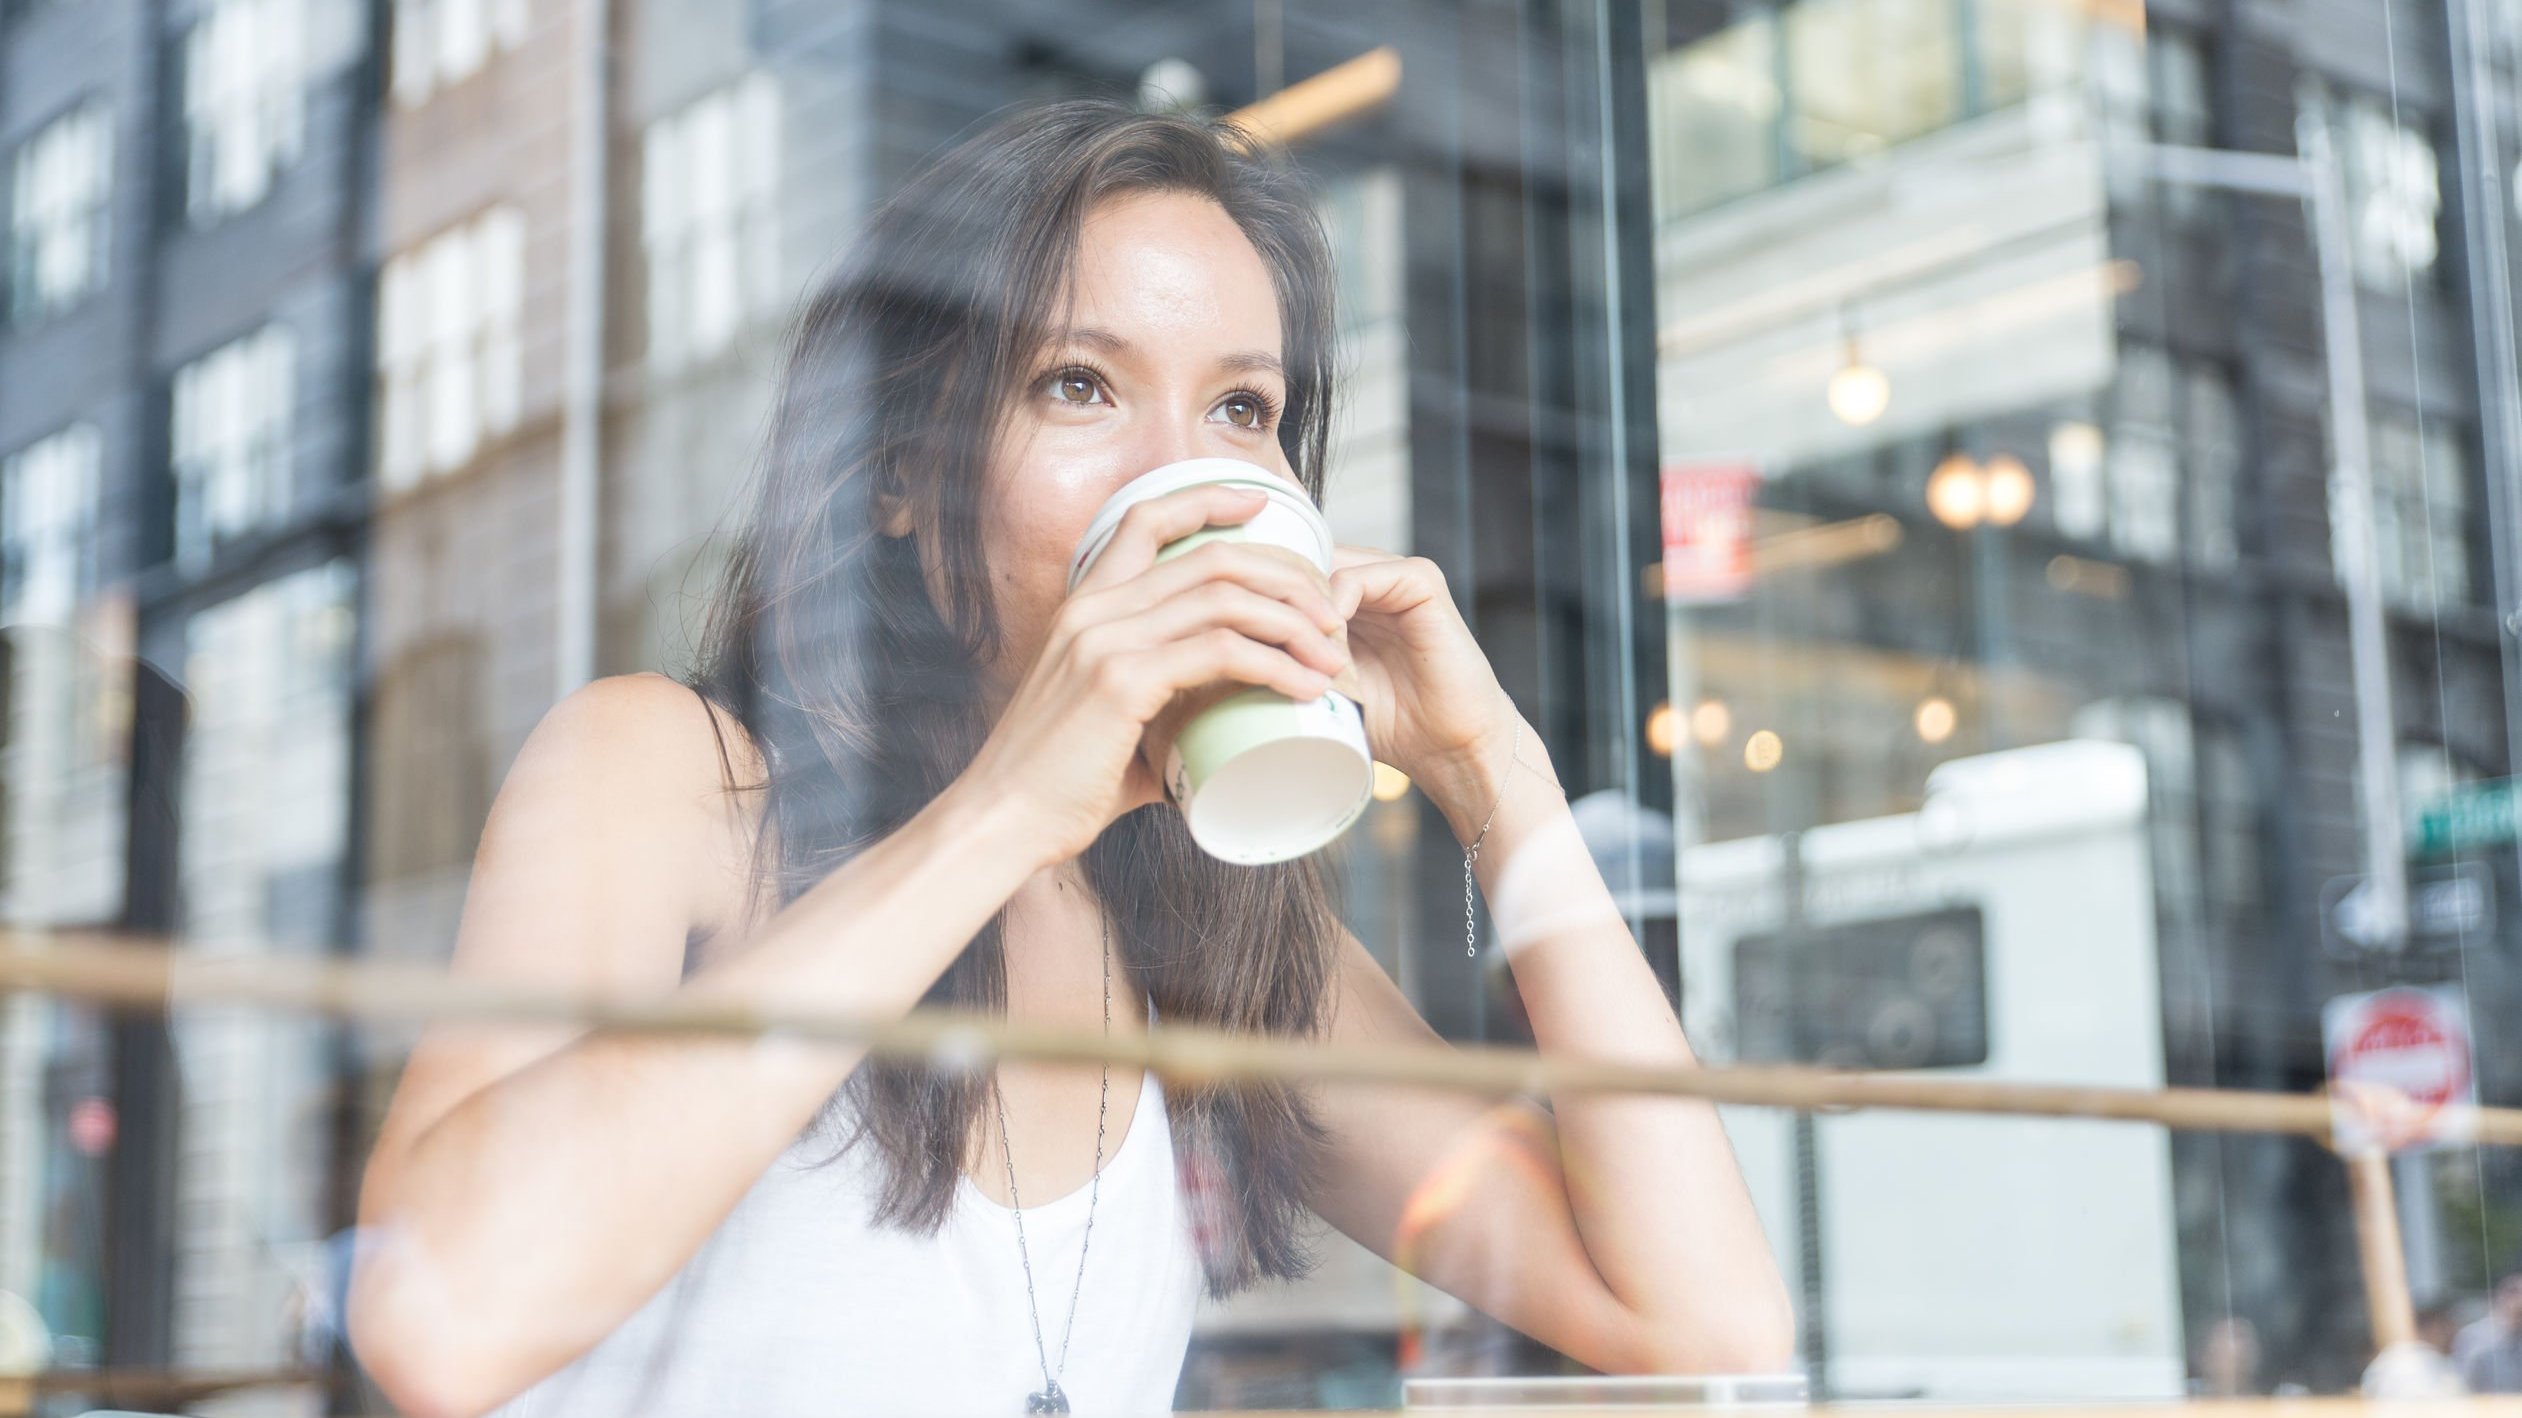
(1259, 777)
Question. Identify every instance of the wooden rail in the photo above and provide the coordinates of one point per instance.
(126, 972)
(146, 973)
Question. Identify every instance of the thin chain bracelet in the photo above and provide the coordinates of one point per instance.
(1470, 932)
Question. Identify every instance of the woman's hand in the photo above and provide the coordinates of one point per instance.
(1133, 635)
(1433, 707)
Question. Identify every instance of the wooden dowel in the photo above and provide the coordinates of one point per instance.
(142, 1388)
(150, 976)
(2377, 1241)
(1335, 95)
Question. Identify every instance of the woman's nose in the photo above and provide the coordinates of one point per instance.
(1172, 438)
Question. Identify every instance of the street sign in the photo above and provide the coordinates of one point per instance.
(2409, 1045)
(1707, 530)
(2476, 815)
(2447, 905)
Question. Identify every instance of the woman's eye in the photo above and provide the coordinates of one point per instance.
(1243, 411)
(1075, 386)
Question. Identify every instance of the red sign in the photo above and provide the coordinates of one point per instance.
(1707, 530)
(2398, 1058)
(92, 1126)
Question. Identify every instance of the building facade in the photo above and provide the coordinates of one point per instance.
(2041, 438)
(182, 408)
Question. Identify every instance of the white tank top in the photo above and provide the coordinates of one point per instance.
(799, 1305)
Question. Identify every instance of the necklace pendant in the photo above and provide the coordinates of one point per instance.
(1049, 1400)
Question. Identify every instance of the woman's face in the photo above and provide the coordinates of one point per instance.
(1171, 350)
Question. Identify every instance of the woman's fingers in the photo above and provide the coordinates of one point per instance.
(1221, 653)
(1270, 572)
(1247, 612)
(1217, 630)
(1345, 555)
(1145, 528)
(1386, 582)
(1261, 617)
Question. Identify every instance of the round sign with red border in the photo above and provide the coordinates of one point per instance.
(2410, 1041)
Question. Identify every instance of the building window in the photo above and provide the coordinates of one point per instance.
(1867, 74)
(448, 350)
(230, 432)
(1715, 109)
(443, 42)
(2161, 481)
(48, 509)
(1742, 97)
(2393, 190)
(2176, 82)
(2177, 111)
(264, 826)
(2420, 511)
(57, 221)
(244, 102)
(710, 220)
(2023, 48)
(2211, 459)
(2229, 826)
(2143, 463)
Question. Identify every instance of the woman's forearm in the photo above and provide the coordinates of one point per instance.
(1652, 1182)
(610, 1160)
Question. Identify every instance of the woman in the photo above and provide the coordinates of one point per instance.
(909, 776)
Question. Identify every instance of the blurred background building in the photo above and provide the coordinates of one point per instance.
(1903, 502)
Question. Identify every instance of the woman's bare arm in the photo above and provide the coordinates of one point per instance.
(608, 1160)
(530, 1189)
(1618, 1229)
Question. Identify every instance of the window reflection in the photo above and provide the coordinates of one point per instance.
(1989, 709)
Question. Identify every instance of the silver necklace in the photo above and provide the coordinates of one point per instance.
(1051, 1399)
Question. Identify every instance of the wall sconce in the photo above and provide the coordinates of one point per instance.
(1963, 493)
(1858, 392)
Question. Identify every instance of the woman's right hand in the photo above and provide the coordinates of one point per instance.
(1134, 634)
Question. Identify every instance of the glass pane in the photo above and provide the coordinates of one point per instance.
(1550, 704)
(1714, 106)
(1867, 74)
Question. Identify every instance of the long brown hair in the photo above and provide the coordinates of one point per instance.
(861, 692)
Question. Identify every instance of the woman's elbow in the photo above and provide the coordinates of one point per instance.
(411, 1346)
(1757, 1343)
(419, 1374)
(1754, 1336)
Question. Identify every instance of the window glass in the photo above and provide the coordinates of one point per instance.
(232, 417)
(709, 220)
(1715, 106)
(1847, 102)
(437, 43)
(2394, 194)
(58, 227)
(450, 346)
(1835, 515)
(244, 102)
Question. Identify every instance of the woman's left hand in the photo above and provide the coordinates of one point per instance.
(1431, 702)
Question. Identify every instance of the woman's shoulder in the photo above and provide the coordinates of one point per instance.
(669, 726)
(690, 762)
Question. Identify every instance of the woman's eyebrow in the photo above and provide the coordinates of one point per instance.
(1241, 361)
(1100, 339)
(1253, 360)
